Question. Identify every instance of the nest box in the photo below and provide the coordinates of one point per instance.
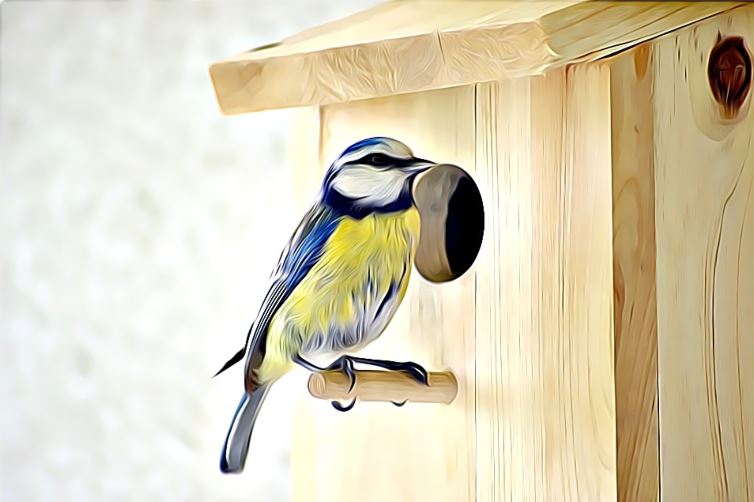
(603, 338)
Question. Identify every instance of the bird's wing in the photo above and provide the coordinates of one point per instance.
(302, 252)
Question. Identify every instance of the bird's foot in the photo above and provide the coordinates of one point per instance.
(415, 370)
(345, 364)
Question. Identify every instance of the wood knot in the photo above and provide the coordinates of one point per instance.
(729, 74)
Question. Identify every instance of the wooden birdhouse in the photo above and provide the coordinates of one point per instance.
(602, 341)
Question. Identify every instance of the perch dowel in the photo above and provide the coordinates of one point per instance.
(385, 386)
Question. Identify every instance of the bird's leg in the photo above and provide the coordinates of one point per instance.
(306, 364)
(340, 364)
(345, 364)
(416, 371)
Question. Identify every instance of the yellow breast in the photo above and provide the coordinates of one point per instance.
(348, 297)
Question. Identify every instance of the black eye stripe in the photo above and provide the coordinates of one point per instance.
(381, 160)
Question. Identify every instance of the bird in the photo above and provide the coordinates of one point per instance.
(338, 282)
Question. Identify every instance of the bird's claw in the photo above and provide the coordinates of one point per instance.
(342, 408)
(416, 371)
(401, 403)
(345, 365)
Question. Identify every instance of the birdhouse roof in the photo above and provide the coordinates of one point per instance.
(406, 46)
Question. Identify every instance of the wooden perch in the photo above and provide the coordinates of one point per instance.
(386, 386)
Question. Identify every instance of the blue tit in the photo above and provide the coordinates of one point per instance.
(339, 281)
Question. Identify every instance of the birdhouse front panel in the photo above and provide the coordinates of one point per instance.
(526, 331)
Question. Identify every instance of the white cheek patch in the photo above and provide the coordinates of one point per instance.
(370, 186)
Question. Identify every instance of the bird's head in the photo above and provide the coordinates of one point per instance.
(373, 175)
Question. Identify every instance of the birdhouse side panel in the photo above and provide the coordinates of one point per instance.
(704, 162)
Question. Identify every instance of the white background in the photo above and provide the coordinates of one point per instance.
(138, 228)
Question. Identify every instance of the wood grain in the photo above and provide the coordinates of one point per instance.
(419, 452)
(704, 163)
(402, 47)
(634, 276)
(545, 407)
(619, 197)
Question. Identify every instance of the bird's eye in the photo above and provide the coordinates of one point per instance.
(378, 159)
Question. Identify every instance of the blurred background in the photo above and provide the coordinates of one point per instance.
(138, 228)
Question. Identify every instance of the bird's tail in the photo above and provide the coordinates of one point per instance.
(237, 441)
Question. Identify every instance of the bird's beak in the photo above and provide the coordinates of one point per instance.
(418, 166)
